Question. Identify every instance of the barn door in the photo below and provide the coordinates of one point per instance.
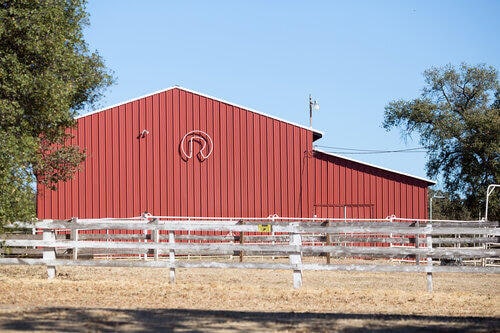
(347, 211)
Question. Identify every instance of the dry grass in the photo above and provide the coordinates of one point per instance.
(133, 299)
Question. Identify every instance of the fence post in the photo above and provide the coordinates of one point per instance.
(242, 241)
(296, 257)
(171, 240)
(429, 258)
(328, 241)
(156, 240)
(145, 233)
(49, 253)
(417, 244)
(74, 238)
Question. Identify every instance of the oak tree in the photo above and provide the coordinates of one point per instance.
(457, 118)
(47, 76)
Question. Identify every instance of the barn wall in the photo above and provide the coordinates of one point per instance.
(345, 188)
(257, 167)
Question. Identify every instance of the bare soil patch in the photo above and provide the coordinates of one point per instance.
(217, 300)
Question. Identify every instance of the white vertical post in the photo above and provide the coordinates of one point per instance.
(49, 253)
(145, 233)
(296, 257)
(417, 244)
(429, 259)
(171, 240)
(74, 237)
(156, 240)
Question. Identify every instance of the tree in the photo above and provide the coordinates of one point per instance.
(457, 118)
(47, 75)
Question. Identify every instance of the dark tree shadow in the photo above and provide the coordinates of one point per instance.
(184, 320)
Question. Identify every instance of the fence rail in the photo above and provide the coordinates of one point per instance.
(167, 242)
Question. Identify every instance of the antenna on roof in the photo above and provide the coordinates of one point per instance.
(312, 105)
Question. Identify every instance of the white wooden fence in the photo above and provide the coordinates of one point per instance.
(169, 246)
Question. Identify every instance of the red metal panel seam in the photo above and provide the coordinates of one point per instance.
(154, 156)
(277, 167)
(193, 106)
(95, 166)
(80, 181)
(218, 137)
(237, 162)
(184, 170)
(224, 158)
(102, 166)
(283, 171)
(256, 166)
(202, 109)
(241, 129)
(169, 145)
(176, 161)
(271, 154)
(211, 163)
(135, 159)
(129, 156)
(264, 167)
(296, 148)
(250, 166)
(110, 160)
(162, 155)
(290, 170)
(231, 200)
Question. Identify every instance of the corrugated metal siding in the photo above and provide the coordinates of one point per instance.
(259, 166)
(348, 189)
(255, 169)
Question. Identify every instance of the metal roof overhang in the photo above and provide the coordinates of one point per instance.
(430, 182)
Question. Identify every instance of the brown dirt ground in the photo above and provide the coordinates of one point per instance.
(216, 300)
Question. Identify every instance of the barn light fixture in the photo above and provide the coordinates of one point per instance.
(313, 105)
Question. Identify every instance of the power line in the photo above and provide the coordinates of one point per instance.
(354, 151)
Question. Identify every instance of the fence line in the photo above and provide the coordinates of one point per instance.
(294, 239)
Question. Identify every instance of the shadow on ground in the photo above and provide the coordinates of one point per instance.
(180, 320)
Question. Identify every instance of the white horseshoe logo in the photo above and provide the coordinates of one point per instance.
(203, 139)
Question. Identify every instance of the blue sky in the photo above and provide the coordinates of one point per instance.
(352, 56)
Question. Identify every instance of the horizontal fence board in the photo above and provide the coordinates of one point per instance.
(339, 251)
(250, 265)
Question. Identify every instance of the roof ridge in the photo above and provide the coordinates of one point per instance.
(317, 133)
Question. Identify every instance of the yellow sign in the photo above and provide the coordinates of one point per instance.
(264, 228)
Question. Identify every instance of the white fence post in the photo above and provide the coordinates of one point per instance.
(296, 257)
(49, 253)
(171, 240)
(74, 237)
(156, 240)
(429, 259)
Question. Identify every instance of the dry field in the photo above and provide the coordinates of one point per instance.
(216, 300)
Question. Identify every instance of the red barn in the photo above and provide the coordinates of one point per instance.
(181, 153)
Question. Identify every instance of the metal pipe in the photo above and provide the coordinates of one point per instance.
(489, 190)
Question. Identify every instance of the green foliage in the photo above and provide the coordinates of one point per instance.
(47, 75)
(457, 118)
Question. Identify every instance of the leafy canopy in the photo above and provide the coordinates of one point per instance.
(457, 118)
(47, 75)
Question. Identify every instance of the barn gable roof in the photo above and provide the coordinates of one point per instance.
(316, 134)
(428, 181)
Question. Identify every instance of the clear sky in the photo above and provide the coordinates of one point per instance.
(352, 56)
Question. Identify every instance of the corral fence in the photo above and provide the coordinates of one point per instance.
(417, 246)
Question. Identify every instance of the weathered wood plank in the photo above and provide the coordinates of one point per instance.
(249, 265)
(201, 248)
